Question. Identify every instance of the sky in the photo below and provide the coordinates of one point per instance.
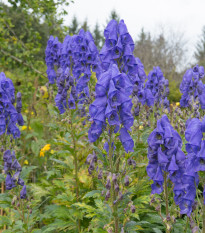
(181, 16)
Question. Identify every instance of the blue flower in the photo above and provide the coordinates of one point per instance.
(23, 192)
(126, 140)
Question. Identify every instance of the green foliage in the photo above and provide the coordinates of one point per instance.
(175, 94)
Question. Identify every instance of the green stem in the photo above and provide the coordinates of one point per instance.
(203, 219)
(166, 200)
(76, 166)
(113, 193)
(187, 223)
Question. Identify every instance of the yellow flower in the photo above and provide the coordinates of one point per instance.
(52, 151)
(41, 153)
(47, 147)
(26, 162)
(177, 104)
(25, 127)
(141, 127)
(26, 111)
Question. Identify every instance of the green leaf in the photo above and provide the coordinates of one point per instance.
(94, 193)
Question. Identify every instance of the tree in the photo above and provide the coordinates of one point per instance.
(200, 49)
(74, 26)
(114, 15)
(98, 37)
(25, 28)
(85, 25)
(165, 50)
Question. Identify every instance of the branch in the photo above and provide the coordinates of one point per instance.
(24, 63)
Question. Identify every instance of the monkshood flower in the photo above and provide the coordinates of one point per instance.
(73, 61)
(112, 106)
(158, 86)
(9, 115)
(185, 191)
(192, 87)
(118, 49)
(12, 168)
(51, 57)
(164, 154)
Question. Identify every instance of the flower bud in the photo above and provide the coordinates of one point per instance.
(168, 217)
(117, 188)
(102, 193)
(129, 161)
(30, 211)
(182, 132)
(107, 196)
(18, 204)
(158, 208)
(173, 219)
(95, 158)
(194, 205)
(92, 166)
(115, 201)
(134, 164)
(100, 174)
(132, 208)
(122, 230)
(28, 207)
(89, 158)
(114, 178)
(153, 199)
(108, 184)
(126, 181)
(13, 202)
(195, 229)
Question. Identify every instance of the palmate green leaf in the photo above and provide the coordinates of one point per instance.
(37, 126)
(39, 191)
(26, 170)
(89, 211)
(65, 165)
(4, 220)
(65, 198)
(131, 227)
(5, 200)
(156, 230)
(60, 226)
(94, 193)
(58, 211)
(37, 231)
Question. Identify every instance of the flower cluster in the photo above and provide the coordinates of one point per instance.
(195, 162)
(165, 155)
(158, 86)
(118, 49)
(13, 169)
(112, 103)
(52, 56)
(192, 87)
(47, 147)
(75, 58)
(9, 115)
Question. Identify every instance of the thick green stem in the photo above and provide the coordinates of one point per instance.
(203, 219)
(113, 193)
(187, 224)
(76, 167)
(168, 230)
